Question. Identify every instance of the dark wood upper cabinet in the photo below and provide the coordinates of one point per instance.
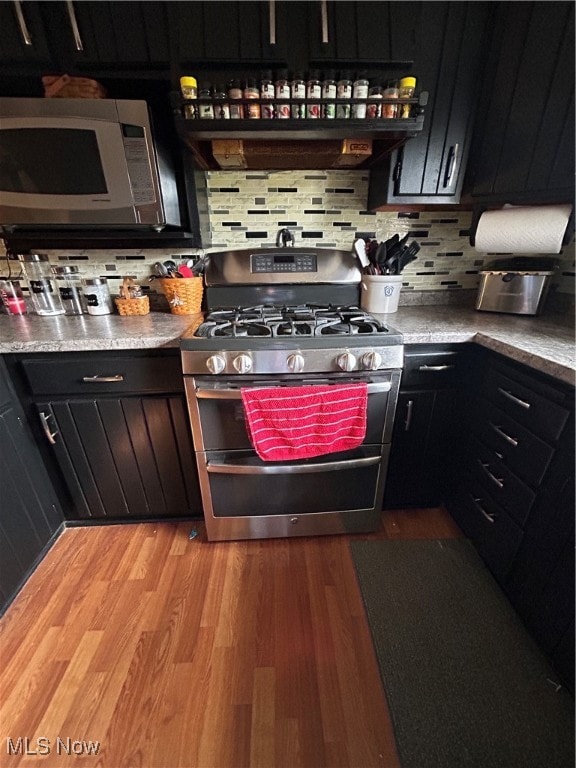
(23, 38)
(523, 147)
(362, 32)
(448, 64)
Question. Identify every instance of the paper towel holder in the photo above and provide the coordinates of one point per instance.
(478, 210)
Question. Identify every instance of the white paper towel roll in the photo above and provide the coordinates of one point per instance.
(523, 229)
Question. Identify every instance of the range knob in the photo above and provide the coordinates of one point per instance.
(295, 362)
(216, 363)
(371, 361)
(242, 363)
(346, 361)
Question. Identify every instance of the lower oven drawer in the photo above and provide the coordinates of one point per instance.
(240, 484)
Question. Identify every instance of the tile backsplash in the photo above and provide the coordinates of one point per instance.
(322, 209)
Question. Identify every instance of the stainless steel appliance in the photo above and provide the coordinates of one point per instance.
(266, 330)
(82, 162)
(516, 286)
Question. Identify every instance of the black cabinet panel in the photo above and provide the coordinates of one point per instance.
(524, 143)
(16, 30)
(30, 514)
(448, 63)
(125, 458)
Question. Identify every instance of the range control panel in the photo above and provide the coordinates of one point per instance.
(299, 261)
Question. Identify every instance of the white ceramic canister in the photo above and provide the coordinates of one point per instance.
(380, 293)
(97, 296)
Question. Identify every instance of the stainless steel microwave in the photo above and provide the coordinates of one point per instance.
(75, 163)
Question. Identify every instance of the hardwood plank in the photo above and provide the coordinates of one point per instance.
(175, 653)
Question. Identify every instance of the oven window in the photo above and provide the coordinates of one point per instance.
(51, 161)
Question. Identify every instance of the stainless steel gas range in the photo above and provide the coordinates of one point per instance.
(287, 318)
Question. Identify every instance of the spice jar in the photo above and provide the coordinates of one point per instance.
(267, 95)
(344, 91)
(97, 296)
(329, 92)
(390, 92)
(70, 287)
(360, 91)
(44, 295)
(205, 108)
(373, 109)
(282, 91)
(189, 90)
(235, 92)
(406, 91)
(12, 297)
(221, 106)
(313, 92)
(298, 96)
(251, 92)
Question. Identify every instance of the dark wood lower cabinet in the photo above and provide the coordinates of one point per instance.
(30, 513)
(129, 457)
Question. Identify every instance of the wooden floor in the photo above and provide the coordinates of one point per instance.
(172, 652)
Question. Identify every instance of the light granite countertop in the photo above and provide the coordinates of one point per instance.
(544, 343)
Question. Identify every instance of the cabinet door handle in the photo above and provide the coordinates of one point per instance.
(46, 427)
(499, 481)
(435, 367)
(74, 24)
(408, 420)
(451, 164)
(272, 21)
(500, 431)
(510, 396)
(103, 379)
(324, 17)
(26, 37)
(490, 516)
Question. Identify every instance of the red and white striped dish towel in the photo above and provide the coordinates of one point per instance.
(286, 423)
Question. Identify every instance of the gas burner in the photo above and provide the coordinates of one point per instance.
(298, 320)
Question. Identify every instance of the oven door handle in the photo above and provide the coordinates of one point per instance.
(290, 469)
(207, 393)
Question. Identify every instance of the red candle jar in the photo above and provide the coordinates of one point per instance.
(12, 297)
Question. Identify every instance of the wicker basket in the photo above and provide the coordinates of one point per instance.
(184, 294)
(138, 306)
(66, 87)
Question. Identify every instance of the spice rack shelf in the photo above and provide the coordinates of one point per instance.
(288, 143)
(304, 128)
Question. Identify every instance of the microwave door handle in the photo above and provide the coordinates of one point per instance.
(74, 24)
(26, 37)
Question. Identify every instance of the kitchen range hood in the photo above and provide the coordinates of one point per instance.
(290, 144)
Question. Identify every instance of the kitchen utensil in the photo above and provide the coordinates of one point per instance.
(185, 271)
(408, 256)
(360, 249)
(159, 269)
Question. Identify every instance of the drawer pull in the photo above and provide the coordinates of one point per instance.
(46, 427)
(26, 38)
(510, 396)
(103, 379)
(435, 367)
(499, 481)
(408, 420)
(490, 516)
(499, 431)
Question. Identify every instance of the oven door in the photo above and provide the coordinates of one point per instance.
(245, 497)
(217, 414)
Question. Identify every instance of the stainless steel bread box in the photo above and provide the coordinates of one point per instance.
(516, 286)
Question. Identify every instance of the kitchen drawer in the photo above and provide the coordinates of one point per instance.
(524, 453)
(105, 374)
(494, 533)
(506, 489)
(539, 414)
(426, 366)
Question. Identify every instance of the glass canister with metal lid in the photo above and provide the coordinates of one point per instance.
(97, 296)
(44, 293)
(70, 287)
